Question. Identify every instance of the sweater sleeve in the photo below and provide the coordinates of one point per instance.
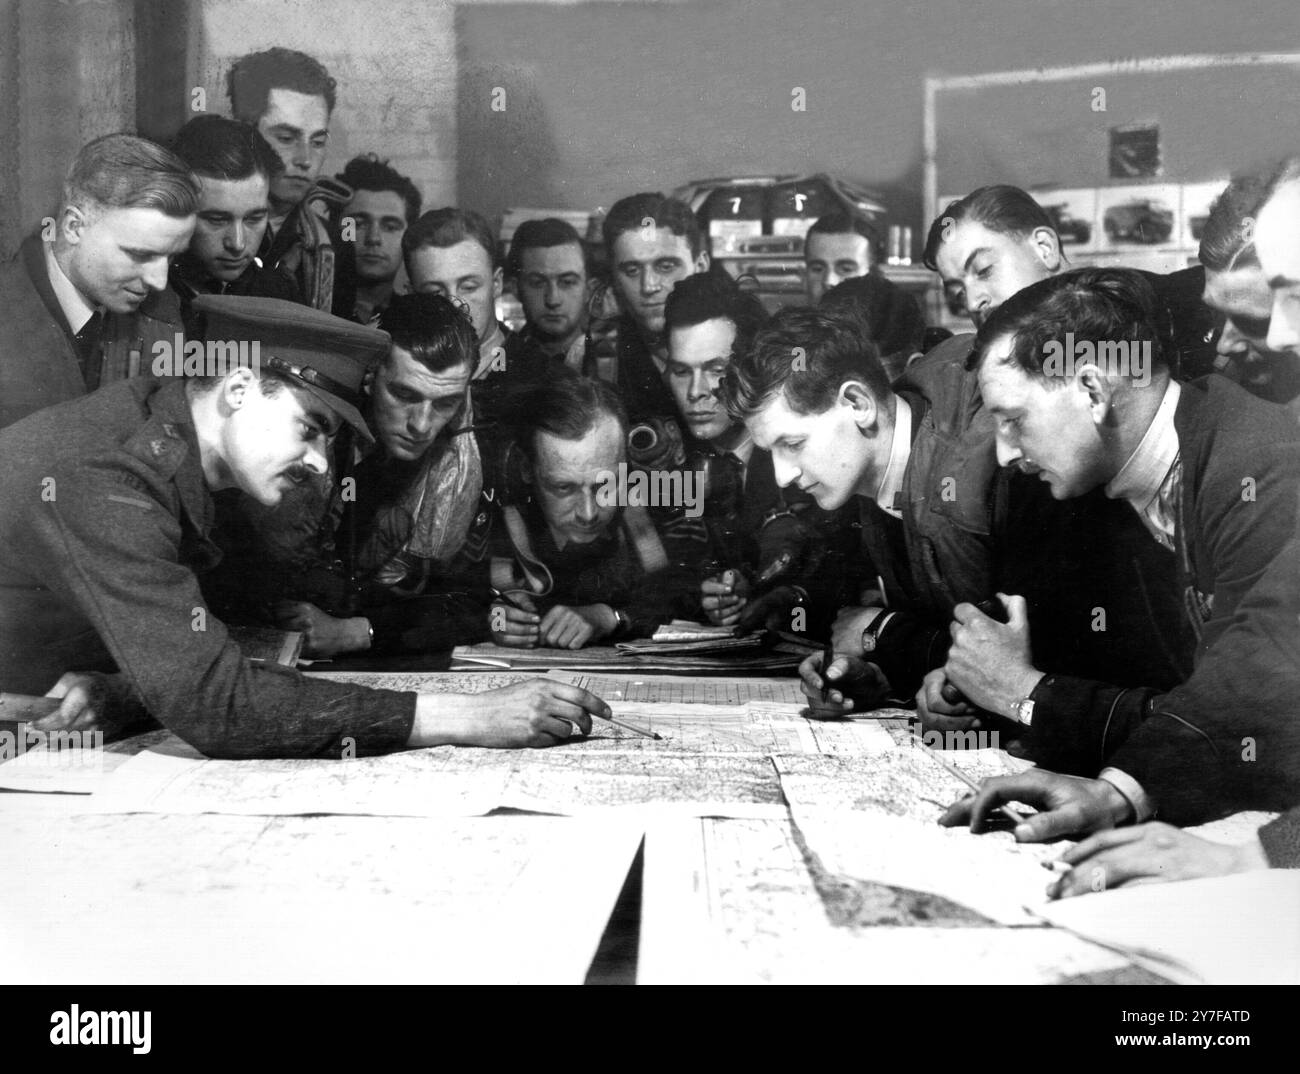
(111, 547)
(1281, 839)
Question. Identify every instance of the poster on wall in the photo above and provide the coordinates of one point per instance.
(1139, 216)
(1197, 199)
(1135, 152)
(1074, 215)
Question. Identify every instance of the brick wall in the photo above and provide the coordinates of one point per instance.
(395, 63)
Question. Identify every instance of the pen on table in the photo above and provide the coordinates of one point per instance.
(957, 773)
(828, 654)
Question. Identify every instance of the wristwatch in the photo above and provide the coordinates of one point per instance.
(871, 634)
(1024, 710)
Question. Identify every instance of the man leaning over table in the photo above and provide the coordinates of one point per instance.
(107, 522)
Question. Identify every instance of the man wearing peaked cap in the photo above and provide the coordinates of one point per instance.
(107, 522)
(316, 352)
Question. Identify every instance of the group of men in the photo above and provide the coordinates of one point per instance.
(1076, 527)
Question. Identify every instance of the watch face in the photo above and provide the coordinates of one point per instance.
(868, 641)
(1025, 711)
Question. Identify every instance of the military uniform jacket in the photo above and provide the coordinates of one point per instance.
(38, 359)
(106, 521)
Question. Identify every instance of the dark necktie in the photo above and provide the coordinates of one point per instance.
(87, 344)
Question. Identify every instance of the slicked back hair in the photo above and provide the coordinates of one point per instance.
(539, 234)
(219, 148)
(567, 405)
(433, 329)
(803, 356)
(710, 295)
(632, 212)
(123, 171)
(448, 226)
(368, 172)
(253, 77)
(842, 223)
(1227, 241)
(1002, 208)
(1094, 305)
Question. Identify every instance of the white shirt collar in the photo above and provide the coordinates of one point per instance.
(891, 482)
(72, 302)
(1140, 479)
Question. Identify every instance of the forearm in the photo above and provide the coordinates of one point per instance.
(445, 720)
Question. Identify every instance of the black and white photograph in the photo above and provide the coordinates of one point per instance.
(649, 492)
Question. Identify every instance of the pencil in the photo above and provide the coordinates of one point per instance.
(828, 655)
(630, 727)
(957, 773)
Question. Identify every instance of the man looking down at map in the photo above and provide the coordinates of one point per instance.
(561, 555)
(1213, 474)
(108, 518)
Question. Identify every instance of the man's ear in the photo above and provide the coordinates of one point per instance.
(1047, 245)
(1100, 389)
(368, 381)
(237, 386)
(73, 222)
(702, 261)
(855, 394)
(498, 282)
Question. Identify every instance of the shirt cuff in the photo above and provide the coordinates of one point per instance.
(1143, 808)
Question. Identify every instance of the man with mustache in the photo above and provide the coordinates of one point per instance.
(86, 296)
(108, 523)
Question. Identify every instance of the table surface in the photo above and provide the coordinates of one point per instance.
(621, 896)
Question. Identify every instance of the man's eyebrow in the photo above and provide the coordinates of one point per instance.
(470, 277)
(973, 255)
(323, 421)
(286, 128)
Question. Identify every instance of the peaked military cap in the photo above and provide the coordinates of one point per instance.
(315, 351)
